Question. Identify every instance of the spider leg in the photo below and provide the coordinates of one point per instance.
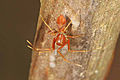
(65, 58)
(37, 49)
(46, 23)
(75, 36)
(69, 23)
(74, 50)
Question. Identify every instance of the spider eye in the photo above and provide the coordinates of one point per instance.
(61, 20)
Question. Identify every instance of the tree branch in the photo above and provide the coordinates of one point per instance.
(97, 19)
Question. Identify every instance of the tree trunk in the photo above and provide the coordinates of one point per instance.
(98, 20)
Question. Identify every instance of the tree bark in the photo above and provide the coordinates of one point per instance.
(98, 20)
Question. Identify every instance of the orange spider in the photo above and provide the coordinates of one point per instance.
(61, 39)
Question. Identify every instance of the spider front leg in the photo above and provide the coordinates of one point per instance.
(37, 49)
(41, 50)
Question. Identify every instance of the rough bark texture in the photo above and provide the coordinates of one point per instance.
(98, 20)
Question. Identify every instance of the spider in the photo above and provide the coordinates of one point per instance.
(61, 39)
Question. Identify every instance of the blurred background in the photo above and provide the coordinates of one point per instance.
(18, 23)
